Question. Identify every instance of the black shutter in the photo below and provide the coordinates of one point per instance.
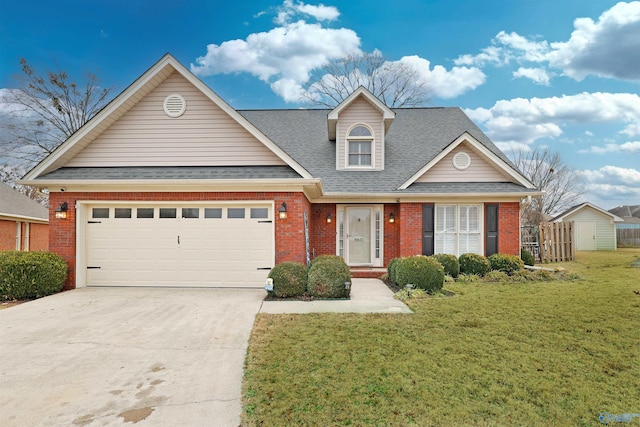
(427, 229)
(491, 238)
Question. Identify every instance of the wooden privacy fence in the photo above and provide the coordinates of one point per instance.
(557, 241)
(628, 237)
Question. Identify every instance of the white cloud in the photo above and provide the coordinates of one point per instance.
(611, 186)
(522, 120)
(537, 75)
(607, 47)
(588, 133)
(290, 9)
(627, 147)
(442, 83)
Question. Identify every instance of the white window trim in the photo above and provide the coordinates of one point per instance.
(348, 139)
(481, 231)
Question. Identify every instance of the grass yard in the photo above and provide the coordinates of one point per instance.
(545, 353)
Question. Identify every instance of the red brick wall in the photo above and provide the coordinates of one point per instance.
(391, 233)
(509, 228)
(289, 234)
(322, 234)
(7, 235)
(39, 238)
(410, 225)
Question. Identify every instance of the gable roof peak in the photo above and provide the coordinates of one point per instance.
(387, 114)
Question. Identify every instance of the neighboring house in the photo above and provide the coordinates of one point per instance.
(628, 231)
(169, 185)
(23, 222)
(595, 228)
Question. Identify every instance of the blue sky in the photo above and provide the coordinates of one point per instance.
(563, 74)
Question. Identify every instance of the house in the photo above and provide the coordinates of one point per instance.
(23, 222)
(628, 231)
(169, 185)
(595, 228)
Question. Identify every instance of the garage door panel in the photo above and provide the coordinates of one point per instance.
(180, 251)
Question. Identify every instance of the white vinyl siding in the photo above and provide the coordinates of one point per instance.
(480, 169)
(203, 136)
(605, 229)
(458, 229)
(360, 111)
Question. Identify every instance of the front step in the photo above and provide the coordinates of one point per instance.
(367, 272)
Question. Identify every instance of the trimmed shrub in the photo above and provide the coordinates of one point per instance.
(468, 278)
(289, 279)
(527, 257)
(506, 263)
(450, 264)
(392, 269)
(26, 275)
(496, 276)
(421, 271)
(327, 276)
(474, 264)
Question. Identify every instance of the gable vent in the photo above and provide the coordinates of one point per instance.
(461, 161)
(174, 105)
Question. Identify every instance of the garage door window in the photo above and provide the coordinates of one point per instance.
(122, 212)
(99, 213)
(144, 213)
(259, 213)
(235, 213)
(167, 212)
(215, 213)
(190, 213)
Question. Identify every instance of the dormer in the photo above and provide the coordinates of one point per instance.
(358, 125)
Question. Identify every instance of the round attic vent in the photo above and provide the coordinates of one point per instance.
(174, 105)
(461, 161)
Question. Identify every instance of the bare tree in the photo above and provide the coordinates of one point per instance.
(44, 111)
(394, 83)
(550, 173)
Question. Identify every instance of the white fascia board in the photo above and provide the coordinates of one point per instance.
(22, 218)
(497, 161)
(332, 118)
(587, 204)
(335, 197)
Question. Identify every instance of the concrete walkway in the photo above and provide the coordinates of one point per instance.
(367, 296)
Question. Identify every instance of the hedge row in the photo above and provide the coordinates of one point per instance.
(325, 278)
(428, 272)
(27, 275)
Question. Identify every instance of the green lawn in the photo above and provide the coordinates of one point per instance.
(546, 353)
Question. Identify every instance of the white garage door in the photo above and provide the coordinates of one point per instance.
(229, 245)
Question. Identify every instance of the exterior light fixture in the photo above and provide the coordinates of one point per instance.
(329, 217)
(392, 218)
(61, 211)
(283, 211)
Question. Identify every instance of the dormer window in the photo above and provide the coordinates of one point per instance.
(360, 144)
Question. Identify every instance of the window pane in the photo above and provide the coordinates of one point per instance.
(144, 212)
(167, 212)
(100, 212)
(190, 212)
(122, 212)
(235, 213)
(213, 212)
(360, 131)
(259, 212)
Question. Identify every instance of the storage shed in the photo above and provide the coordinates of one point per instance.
(595, 228)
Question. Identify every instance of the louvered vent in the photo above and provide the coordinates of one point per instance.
(461, 161)
(174, 105)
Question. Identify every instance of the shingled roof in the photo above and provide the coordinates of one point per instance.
(19, 206)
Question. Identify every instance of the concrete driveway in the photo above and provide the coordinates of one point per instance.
(125, 356)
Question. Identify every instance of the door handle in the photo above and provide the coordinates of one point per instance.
(178, 239)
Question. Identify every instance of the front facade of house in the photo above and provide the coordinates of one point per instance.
(169, 185)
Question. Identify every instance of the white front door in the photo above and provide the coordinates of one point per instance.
(360, 233)
(358, 227)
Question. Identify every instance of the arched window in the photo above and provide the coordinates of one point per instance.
(360, 145)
